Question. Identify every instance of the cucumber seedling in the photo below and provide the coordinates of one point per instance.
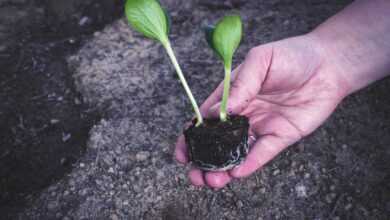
(216, 143)
(221, 143)
(150, 19)
(224, 38)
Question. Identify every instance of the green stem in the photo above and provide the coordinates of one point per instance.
(226, 87)
(179, 72)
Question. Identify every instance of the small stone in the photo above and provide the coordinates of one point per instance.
(82, 165)
(63, 161)
(307, 175)
(330, 197)
(114, 217)
(83, 192)
(276, 172)
(300, 190)
(348, 206)
(344, 146)
(126, 202)
(66, 137)
(83, 21)
(332, 187)
(66, 192)
(142, 155)
(58, 215)
(52, 205)
(240, 204)
(54, 121)
(111, 170)
(77, 101)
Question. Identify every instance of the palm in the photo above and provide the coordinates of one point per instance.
(286, 92)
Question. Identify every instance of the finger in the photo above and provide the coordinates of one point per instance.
(216, 95)
(196, 177)
(181, 150)
(217, 179)
(250, 78)
(266, 148)
(214, 110)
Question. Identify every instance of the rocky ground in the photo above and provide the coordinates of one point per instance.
(342, 171)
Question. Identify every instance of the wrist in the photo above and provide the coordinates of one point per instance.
(353, 44)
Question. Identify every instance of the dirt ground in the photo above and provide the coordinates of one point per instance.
(127, 171)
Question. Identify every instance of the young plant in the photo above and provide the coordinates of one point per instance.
(150, 19)
(224, 38)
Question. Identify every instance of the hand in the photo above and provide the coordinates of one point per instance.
(286, 89)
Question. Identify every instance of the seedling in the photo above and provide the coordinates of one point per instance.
(213, 144)
(150, 19)
(224, 39)
(221, 144)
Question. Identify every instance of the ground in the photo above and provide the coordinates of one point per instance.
(127, 170)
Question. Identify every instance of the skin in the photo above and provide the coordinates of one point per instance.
(288, 88)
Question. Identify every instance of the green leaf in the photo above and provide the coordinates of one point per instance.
(148, 18)
(226, 37)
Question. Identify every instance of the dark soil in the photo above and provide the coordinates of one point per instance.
(218, 145)
(44, 123)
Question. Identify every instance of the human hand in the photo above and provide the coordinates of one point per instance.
(286, 89)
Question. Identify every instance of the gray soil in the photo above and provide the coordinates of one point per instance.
(341, 171)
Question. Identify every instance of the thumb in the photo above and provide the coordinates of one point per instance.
(249, 79)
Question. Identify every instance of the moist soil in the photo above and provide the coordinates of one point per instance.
(218, 145)
(123, 167)
(44, 122)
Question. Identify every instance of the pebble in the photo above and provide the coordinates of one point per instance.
(82, 165)
(240, 204)
(58, 215)
(114, 217)
(300, 190)
(52, 205)
(111, 170)
(348, 206)
(142, 156)
(54, 121)
(276, 172)
(330, 197)
(66, 137)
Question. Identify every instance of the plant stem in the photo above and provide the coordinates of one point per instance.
(226, 88)
(179, 72)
